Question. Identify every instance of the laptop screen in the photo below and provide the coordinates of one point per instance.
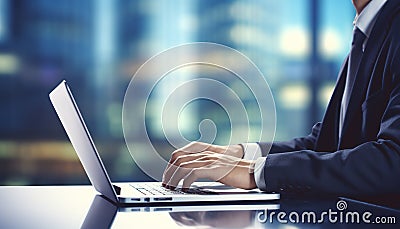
(67, 110)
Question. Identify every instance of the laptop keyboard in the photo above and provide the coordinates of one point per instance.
(151, 189)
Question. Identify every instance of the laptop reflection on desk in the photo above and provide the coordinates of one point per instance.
(103, 212)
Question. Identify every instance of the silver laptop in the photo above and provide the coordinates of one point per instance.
(137, 192)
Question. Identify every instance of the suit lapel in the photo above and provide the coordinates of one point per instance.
(363, 75)
(328, 137)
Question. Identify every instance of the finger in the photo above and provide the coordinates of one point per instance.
(183, 170)
(195, 174)
(194, 147)
(171, 169)
(176, 177)
(174, 156)
(204, 156)
(214, 170)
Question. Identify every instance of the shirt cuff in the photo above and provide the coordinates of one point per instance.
(259, 173)
(251, 151)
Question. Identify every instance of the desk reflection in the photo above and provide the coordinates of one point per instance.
(329, 213)
(78, 206)
(104, 214)
(215, 219)
(101, 214)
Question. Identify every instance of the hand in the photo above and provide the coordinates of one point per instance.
(197, 147)
(224, 168)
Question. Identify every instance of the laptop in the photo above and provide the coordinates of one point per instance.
(137, 192)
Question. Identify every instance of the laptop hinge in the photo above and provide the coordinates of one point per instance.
(117, 189)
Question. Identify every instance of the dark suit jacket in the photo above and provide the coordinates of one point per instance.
(365, 160)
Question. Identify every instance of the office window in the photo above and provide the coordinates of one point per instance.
(98, 45)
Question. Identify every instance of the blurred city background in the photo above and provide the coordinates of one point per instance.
(98, 45)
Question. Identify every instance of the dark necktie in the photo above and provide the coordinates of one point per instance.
(354, 62)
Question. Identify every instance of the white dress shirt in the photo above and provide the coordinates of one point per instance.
(363, 21)
(366, 19)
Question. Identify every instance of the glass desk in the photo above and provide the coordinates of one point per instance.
(81, 207)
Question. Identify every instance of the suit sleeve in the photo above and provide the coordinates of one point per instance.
(296, 144)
